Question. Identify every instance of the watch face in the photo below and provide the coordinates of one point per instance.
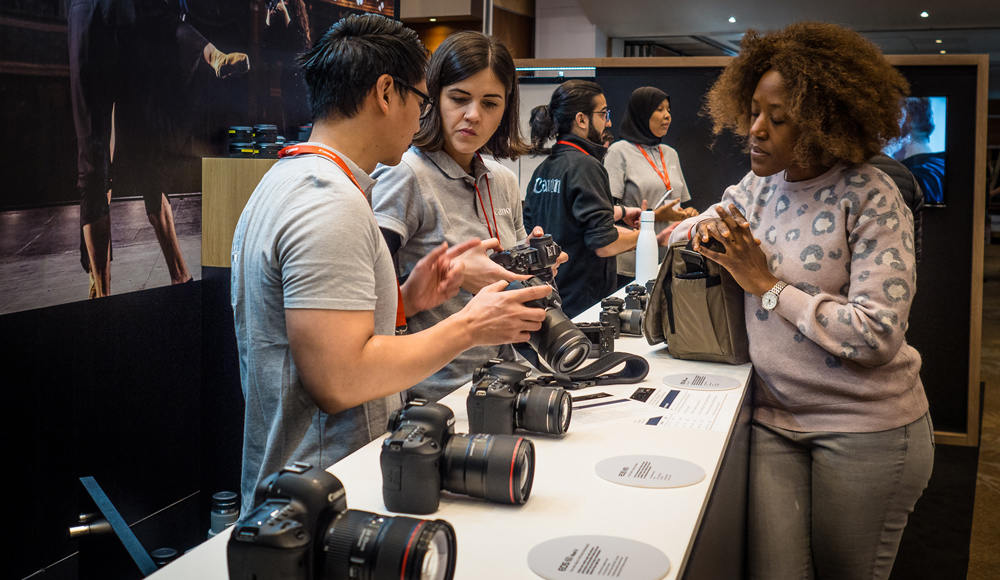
(769, 300)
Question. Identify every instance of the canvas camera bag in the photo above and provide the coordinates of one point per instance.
(697, 307)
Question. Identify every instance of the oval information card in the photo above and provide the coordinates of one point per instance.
(650, 471)
(597, 557)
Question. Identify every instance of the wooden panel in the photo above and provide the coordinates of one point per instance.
(226, 186)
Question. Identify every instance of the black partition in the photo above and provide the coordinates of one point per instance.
(940, 316)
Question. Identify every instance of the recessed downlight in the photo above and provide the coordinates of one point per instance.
(924, 14)
(732, 19)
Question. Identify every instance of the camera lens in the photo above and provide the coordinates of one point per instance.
(559, 342)
(631, 321)
(544, 409)
(361, 545)
(499, 468)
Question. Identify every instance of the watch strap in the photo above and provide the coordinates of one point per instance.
(777, 288)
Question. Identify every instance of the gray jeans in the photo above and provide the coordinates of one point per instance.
(833, 505)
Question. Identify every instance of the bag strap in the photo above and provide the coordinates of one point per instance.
(636, 369)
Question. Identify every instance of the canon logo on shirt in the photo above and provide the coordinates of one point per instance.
(547, 185)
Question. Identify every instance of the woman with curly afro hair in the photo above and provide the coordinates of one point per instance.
(822, 243)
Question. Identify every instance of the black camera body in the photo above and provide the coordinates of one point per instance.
(636, 297)
(602, 337)
(504, 397)
(423, 456)
(300, 528)
(535, 257)
(558, 342)
(623, 320)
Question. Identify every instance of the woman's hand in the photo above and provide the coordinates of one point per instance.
(742, 255)
(481, 271)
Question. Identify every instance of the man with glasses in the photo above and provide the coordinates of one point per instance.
(315, 298)
(570, 197)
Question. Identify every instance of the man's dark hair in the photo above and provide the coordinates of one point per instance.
(344, 65)
(555, 119)
(460, 56)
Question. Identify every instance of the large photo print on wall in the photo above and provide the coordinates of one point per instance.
(108, 109)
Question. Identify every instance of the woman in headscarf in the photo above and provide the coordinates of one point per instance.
(642, 169)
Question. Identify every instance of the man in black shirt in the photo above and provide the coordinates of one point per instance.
(570, 197)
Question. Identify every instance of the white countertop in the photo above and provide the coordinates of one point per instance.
(568, 498)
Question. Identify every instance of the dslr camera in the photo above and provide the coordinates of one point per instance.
(623, 320)
(423, 456)
(504, 397)
(300, 528)
(636, 297)
(602, 337)
(535, 257)
(559, 343)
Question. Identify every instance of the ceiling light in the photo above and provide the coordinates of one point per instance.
(434, 19)
(732, 19)
(944, 52)
(924, 14)
(938, 41)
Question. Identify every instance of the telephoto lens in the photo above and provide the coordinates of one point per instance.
(363, 545)
(301, 529)
(499, 468)
(423, 455)
(559, 343)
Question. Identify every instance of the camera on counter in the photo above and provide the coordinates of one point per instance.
(602, 337)
(636, 297)
(423, 456)
(504, 397)
(623, 320)
(559, 343)
(535, 257)
(300, 527)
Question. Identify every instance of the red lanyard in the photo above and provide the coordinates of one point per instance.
(663, 176)
(293, 150)
(495, 231)
(578, 148)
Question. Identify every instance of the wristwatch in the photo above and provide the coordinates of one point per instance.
(770, 298)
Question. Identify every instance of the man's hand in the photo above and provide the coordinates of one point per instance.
(496, 316)
(632, 215)
(435, 278)
(481, 271)
(561, 259)
(671, 212)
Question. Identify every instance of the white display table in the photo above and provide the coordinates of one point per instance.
(699, 527)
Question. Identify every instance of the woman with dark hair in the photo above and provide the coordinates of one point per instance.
(645, 172)
(822, 243)
(570, 197)
(445, 190)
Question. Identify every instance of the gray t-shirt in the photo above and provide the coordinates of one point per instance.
(428, 199)
(307, 238)
(633, 180)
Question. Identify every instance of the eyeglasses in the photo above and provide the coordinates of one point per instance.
(606, 113)
(425, 104)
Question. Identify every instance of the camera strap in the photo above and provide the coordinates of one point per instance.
(636, 369)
